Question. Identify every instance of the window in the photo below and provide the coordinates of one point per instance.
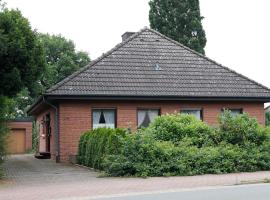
(146, 116)
(104, 118)
(234, 111)
(197, 112)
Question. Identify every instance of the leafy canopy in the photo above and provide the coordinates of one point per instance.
(61, 58)
(21, 55)
(179, 20)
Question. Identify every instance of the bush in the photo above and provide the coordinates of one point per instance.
(180, 145)
(267, 119)
(240, 129)
(141, 155)
(95, 144)
(176, 127)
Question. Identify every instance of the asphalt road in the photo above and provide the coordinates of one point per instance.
(240, 192)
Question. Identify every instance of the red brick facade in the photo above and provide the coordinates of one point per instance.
(76, 117)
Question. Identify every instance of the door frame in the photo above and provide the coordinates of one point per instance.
(48, 132)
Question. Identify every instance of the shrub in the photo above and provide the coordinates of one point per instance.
(142, 155)
(3, 137)
(95, 144)
(240, 129)
(176, 127)
(180, 145)
(267, 119)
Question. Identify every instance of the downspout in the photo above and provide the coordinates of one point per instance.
(56, 130)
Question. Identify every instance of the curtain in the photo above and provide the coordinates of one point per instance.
(96, 117)
(141, 116)
(153, 114)
(109, 118)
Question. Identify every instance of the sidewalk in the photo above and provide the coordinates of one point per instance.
(44, 179)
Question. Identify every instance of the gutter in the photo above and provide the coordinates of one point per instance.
(56, 129)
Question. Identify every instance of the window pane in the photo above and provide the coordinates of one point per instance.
(196, 113)
(234, 112)
(145, 117)
(103, 118)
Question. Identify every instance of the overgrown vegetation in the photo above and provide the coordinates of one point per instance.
(95, 144)
(179, 145)
(35, 136)
(267, 119)
(3, 130)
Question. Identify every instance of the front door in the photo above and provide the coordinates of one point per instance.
(48, 132)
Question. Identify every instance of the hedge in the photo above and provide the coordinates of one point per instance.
(95, 144)
(179, 144)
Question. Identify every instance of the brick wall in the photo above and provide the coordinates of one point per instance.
(27, 126)
(75, 117)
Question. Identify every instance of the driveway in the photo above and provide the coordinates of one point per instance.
(28, 178)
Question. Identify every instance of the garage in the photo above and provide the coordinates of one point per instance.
(16, 141)
(20, 137)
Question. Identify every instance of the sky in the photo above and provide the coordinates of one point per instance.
(237, 31)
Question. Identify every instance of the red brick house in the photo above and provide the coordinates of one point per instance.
(146, 75)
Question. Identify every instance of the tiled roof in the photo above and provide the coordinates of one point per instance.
(150, 64)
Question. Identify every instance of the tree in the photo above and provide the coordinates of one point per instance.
(179, 20)
(61, 58)
(21, 55)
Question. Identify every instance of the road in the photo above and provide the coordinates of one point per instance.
(240, 192)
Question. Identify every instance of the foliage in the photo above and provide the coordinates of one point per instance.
(240, 129)
(267, 119)
(21, 55)
(35, 136)
(176, 127)
(95, 144)
(3, 128)
(61, 58)
(181, 145)
(179, 20)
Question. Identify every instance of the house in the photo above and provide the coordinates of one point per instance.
(20, 136)
(144, 76)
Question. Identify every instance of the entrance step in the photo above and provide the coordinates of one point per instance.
(43, 155)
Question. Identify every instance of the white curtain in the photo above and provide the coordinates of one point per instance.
(96, 116)
(152, 113)
(109, 116)
(141, 116)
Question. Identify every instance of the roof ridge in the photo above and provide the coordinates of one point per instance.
(209, 59)
(104, 55)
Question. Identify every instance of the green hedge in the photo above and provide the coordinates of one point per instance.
(179, 145)
(267, 119)
(95, 144)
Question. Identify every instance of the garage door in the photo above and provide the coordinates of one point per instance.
(16, 141)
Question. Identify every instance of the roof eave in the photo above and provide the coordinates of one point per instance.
(155, 98)
(39, 101)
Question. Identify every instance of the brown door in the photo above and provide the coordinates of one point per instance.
(48, 133)
(16, 141)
